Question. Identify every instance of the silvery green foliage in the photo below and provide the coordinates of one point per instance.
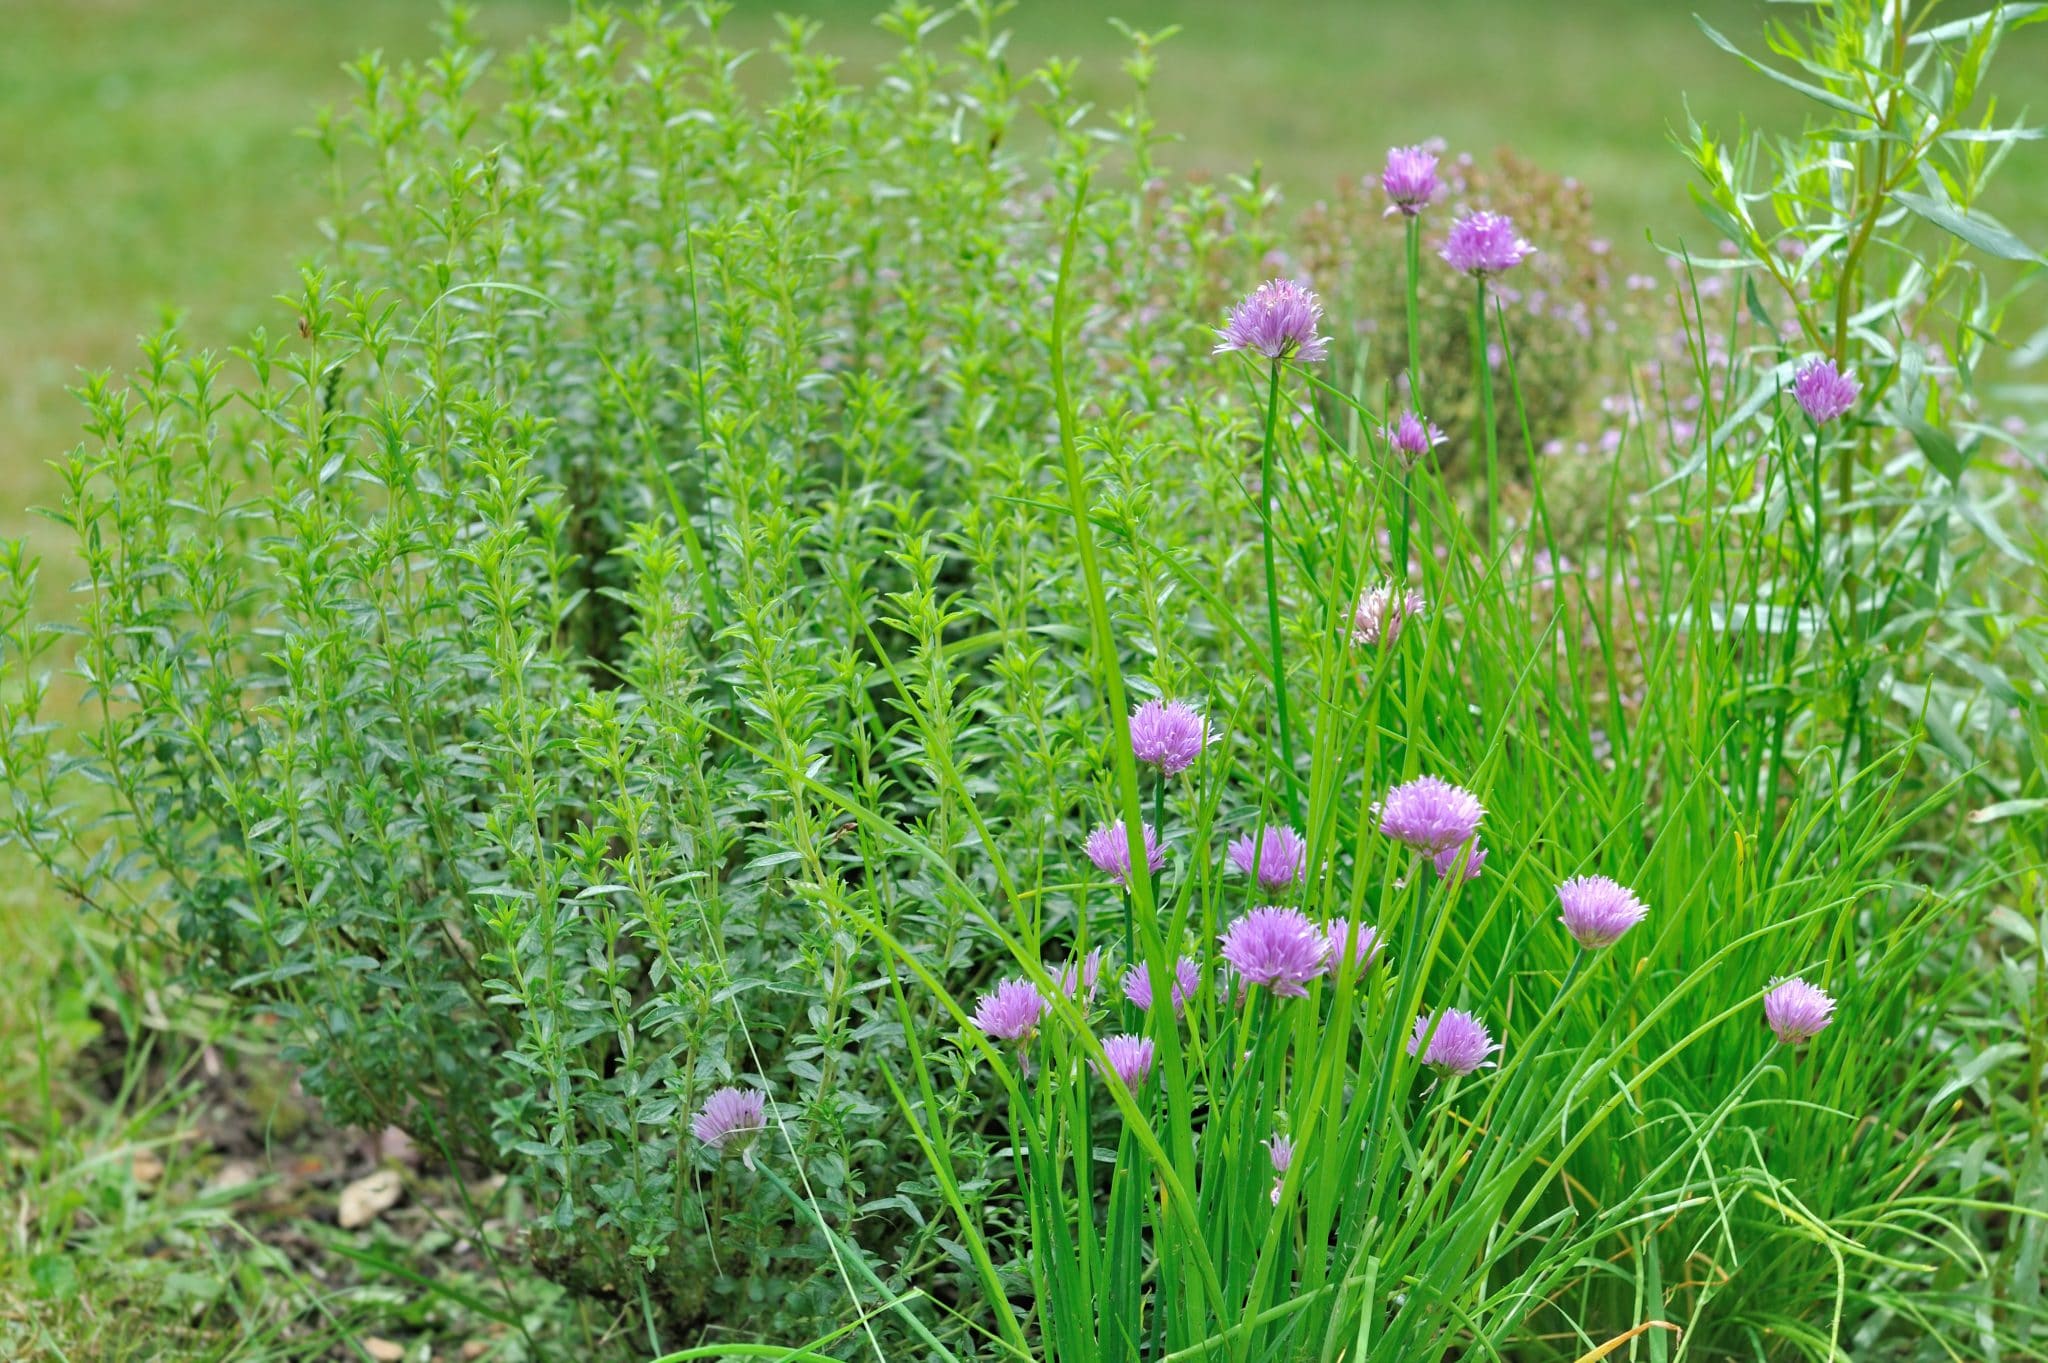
(461, 661)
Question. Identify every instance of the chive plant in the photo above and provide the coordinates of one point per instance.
(738, 658)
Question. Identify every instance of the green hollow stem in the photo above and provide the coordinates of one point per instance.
(1414, 288)
(1482, 372)
(1273, 597)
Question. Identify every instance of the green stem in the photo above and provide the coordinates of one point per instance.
(1414, 394)
(1273, 596)
(1482, 370)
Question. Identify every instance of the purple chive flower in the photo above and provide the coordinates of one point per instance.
(1130, 1058)
(1411, 437)
(1409, 179)
(1281, 1151)
(1797, 1011)
(1482, 244)
(1109, 847)
(1458, 1045)
(1471, 855)
(1276, 856)
(1167, 734)
(1278, 948)
(1278, 319)
(1430, 813)
(1380, 613)
(1352, 946)
(731, 1119)
(1824, 392)
(1138, 985)
(1597, 910)
(1011, 1011)
(1083, 979)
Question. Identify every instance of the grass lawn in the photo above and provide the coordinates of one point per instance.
(154, 164)
(153, 161)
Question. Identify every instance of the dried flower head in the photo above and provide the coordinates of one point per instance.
(1011, 1011)
(731, 1120)
(1109, 847)
(1274, 854)
(1138, 985)
(1079, 978)
(1380, 613)
(1411, 437)
(1470, 856)
(1130, 1058)
(1351, 946)
(1278, 320)
(1797, 1011)
(1275, 947)
(1482, 244)
(1458, 1042)
(1168, 734)
(1430, 813)
(1597, 911)
(1824, 392)
(1409, 179)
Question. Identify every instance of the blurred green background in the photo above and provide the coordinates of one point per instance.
(151, 157)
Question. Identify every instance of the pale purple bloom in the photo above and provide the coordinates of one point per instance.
(1280, 1150)
(1276, 855)
(1167, 734)
(1459, 1043)
(1797, 1011)
(1597, 911)
(1278, 319)
(1411, 437)
(1130, 1058)
(1380, 613)
(1138, 985)
(1011, 1011)
(1070, 979)
(1409, 179)
(1470, 855)
(1824, 392)
(1276, 947)
(1109, 848)
(1353, 946)
(1484, 244)
(1430, 813)
(731, 1119)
